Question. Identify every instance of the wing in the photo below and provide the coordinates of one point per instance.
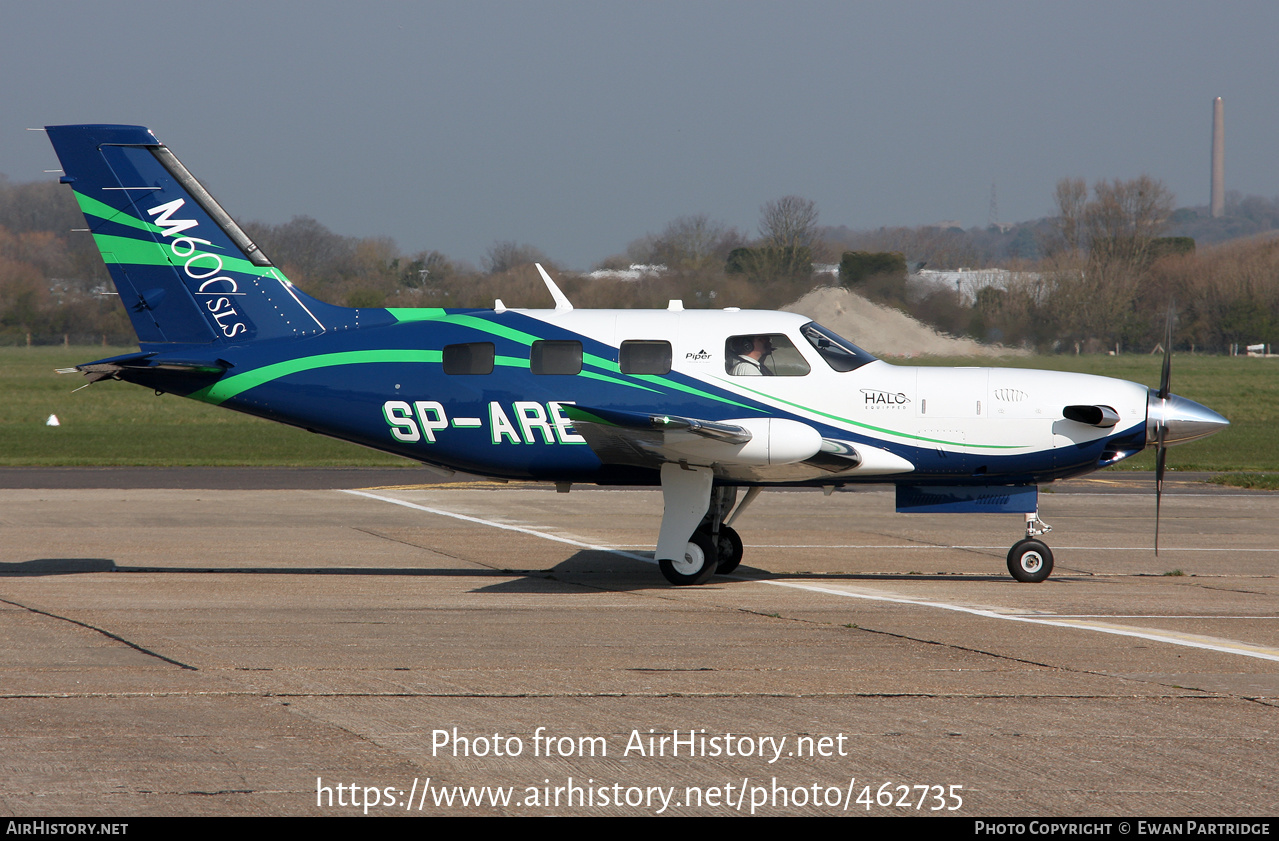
(749, 449)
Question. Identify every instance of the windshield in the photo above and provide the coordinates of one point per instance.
(839, 353)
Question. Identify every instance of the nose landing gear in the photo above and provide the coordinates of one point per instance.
(1030, 560)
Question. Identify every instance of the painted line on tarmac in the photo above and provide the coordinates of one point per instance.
(1056, 548)
(1171, 637)
(1155, 635)
(521, 529)
(1161, 616)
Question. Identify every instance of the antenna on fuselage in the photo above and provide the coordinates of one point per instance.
(562, 303)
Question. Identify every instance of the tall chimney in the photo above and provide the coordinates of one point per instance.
(1218, 159)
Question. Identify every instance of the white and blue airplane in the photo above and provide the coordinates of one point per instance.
(703, 403)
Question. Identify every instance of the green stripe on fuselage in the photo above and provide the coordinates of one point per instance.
(886, 431)
(519, 337)
(238, 383)
(417, 313)
(229, 387)
(696, 391)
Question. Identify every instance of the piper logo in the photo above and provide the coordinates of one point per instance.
(699, 356)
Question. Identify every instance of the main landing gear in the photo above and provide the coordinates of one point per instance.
(696, 567)
(698, 564)
(1030, 560)
(697, 538)
(695, 542)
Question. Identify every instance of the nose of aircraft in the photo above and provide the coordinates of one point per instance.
(1183, 420)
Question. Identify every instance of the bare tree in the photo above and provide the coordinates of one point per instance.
(432, 268)
(1071, 197)
(1125, 216)
(694, 243)
(508, 254)
(789, 222)
(309, 250)
(1095, 293)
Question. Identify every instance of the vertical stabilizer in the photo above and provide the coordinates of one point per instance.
(186, 273)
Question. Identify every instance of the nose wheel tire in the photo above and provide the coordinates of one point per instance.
(697, 565)
(1030, 561)
(730, 550)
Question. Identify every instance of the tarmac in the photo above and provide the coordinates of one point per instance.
(275, 642)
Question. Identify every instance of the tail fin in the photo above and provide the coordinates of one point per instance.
(186, 272)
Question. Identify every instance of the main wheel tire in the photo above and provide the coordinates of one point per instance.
(730, 550)
(1030, 561)
(697, 565)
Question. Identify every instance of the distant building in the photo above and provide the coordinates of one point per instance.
(637, 271)
(968, 281)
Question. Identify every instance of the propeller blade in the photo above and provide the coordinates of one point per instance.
(1165, 375)
(1161, 451)
(1161, 459)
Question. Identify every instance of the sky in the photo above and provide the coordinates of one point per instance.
(579, 126)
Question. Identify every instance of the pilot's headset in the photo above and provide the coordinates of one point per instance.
(741, 345)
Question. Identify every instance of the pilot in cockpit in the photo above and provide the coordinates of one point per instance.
(748, 355)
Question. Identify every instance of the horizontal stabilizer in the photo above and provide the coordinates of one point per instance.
(114, 366)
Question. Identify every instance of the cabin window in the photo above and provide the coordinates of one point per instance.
(552, 357)
(763, 354)
(470, 358)
(642, 356)
(839, 353)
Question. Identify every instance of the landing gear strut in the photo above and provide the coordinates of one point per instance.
(685, 554)
(728, 546)
(1030, 560)
(693, 520)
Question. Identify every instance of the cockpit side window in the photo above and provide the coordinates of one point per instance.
(763, 354)
(839, 353)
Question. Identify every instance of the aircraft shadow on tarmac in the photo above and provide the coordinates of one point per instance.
(57, 566)
(605, 569)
